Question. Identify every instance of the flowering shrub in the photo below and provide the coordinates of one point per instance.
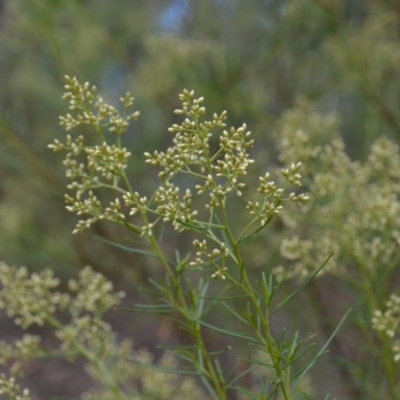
(32, 299)
(354, 213)
(194, 167)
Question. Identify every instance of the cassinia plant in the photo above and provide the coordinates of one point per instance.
(32, 299)
(195, 167)
(353, 212)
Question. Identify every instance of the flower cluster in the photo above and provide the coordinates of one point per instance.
(355, 207)
(306, 255)
(174, 208)
(19, 352)
(267, 188)
(207, 167)
(299, 133)
(93, 293)
(89, 332)
(192, 148)
(92, 206)
(116, 366)
(389, 323)
(30, 299)
(204, 258)
(220, 172)
(9, 387)
(91, 109)
(93, 167)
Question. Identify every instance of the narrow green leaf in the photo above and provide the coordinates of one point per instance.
(126, 248)
(244, 296)
(306, 368)
(248, 393)
(224, 331)
(244, 373)
(290, 297)
(209, 388)
(236, 314)
(144, 308)
(154, 367)
(217, 353)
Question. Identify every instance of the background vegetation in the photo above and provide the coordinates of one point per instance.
(334, 63)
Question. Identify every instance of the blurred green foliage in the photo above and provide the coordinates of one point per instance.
(254, 58)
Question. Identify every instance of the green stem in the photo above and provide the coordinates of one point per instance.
(179, 299)
(264, 334)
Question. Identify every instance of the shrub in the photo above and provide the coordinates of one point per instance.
(199, 179)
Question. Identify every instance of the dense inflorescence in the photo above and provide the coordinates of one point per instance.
(354, 211)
